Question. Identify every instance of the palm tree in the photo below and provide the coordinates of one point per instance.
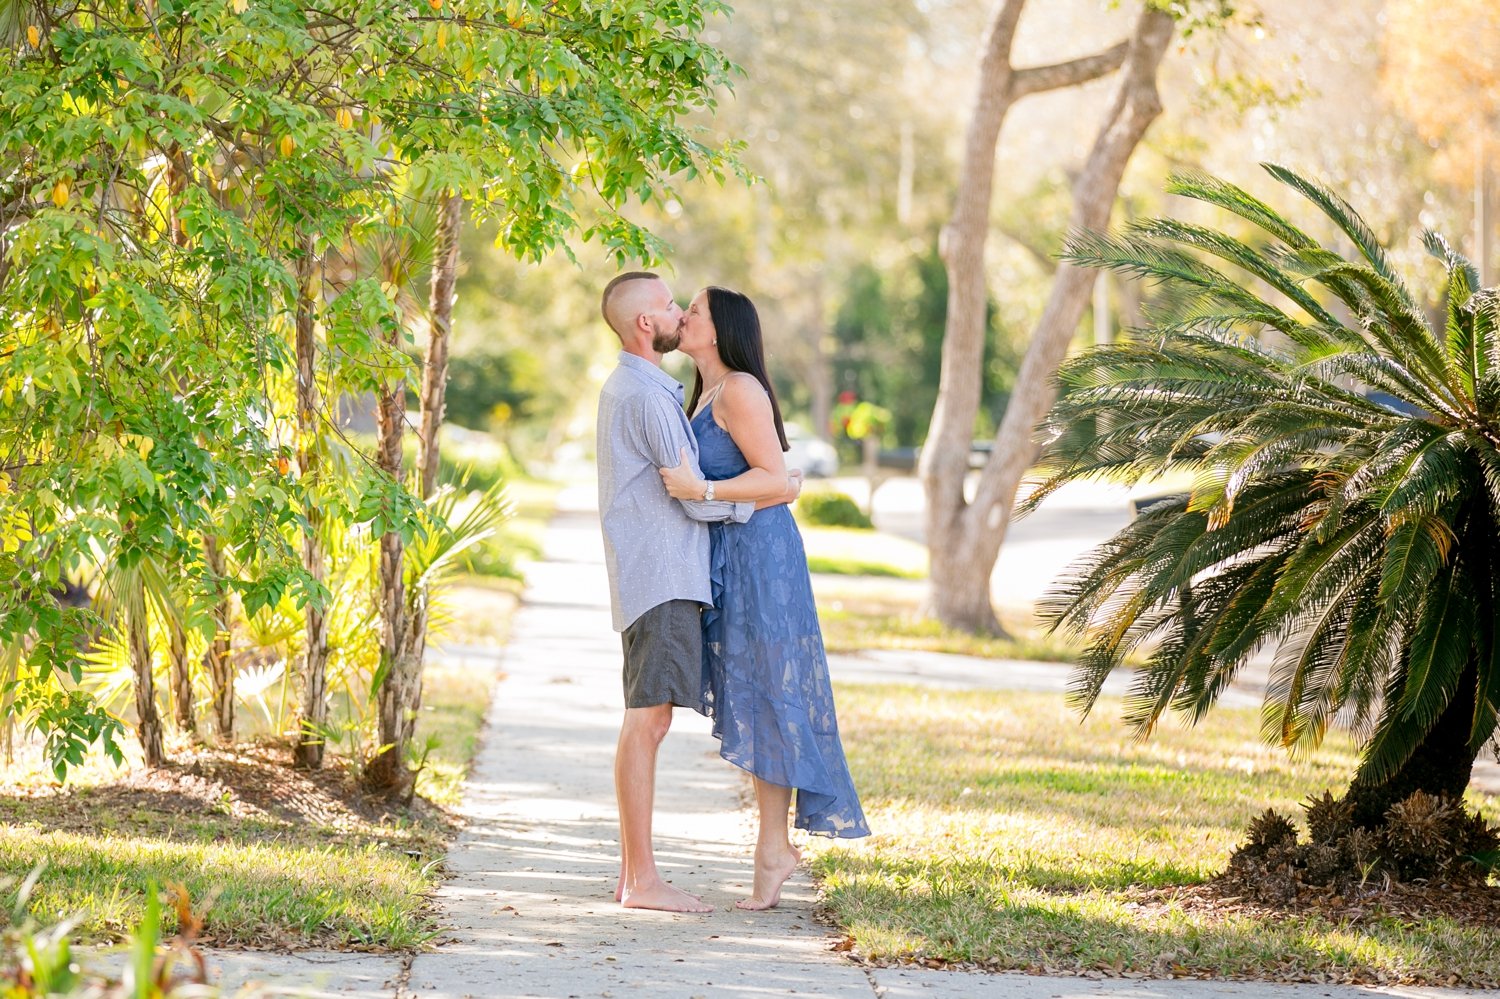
(1345, 507)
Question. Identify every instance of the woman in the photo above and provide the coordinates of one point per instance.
(767, 683)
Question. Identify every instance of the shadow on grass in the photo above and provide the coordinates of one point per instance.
(1011, 833)
(959, 911)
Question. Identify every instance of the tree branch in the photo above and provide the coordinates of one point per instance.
(1035, 79)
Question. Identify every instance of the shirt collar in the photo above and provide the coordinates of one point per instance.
(653, 373)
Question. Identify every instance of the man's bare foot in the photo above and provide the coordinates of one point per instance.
(770, 875)
(663, 897)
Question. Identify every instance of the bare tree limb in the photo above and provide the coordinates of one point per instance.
(1037, 79)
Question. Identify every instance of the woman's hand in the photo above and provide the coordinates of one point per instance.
(680, 481)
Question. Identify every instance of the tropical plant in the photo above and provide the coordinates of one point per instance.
(1345, 495)
(452, 523)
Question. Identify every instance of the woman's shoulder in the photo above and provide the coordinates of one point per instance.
(742, 388)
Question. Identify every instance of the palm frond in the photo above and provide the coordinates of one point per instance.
(1441, 647)
(1346, 218)
(1234, 199)
(1145, 259)
(1232, 251)
(1415, 553)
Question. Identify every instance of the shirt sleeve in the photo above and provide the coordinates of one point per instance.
(664, 432)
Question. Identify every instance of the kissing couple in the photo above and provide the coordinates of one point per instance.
(709, 584)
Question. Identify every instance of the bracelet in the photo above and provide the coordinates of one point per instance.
(708, 490)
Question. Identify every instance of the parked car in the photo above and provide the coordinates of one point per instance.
(815, 457)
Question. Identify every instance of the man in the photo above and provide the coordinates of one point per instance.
(656, 551)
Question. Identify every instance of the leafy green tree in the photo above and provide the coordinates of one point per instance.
(1346, 505)
(176, 176)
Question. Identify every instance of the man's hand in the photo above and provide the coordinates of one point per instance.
(793, 484)
(793, 490)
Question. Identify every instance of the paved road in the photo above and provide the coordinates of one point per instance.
(1037, 547)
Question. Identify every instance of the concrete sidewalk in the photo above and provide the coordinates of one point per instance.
(529, 904)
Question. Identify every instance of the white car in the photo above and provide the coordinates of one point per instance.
(816, 458)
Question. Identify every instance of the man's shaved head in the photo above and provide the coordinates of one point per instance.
(625, 298)
(637, 295)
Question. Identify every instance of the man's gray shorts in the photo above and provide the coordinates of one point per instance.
(664, 656)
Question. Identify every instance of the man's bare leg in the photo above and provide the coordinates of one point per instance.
(775, 857)
(641, 886)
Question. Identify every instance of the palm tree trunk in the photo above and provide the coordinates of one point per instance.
(309, 751)
(1441, 764)
(182, 681)
(216, 659)
(138, 637)
(964, 537)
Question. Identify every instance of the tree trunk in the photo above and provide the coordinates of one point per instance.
(148, 720)
(399, 698)
(404, 625)
(1441, 764)
(964, 537)
(387, 771)
(309, 751)
(435, 366)
(216, 659)
(820, 370)
(182, 681)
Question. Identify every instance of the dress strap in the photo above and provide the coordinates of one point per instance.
(703, 404)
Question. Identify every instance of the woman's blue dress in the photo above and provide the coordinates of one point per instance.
(765, 674)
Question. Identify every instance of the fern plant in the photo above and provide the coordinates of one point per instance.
(1345, 490)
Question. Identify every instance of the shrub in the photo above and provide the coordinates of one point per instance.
(827, 508)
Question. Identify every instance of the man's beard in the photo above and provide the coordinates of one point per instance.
(664, 341)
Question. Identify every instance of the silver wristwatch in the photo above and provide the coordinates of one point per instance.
(708, 490)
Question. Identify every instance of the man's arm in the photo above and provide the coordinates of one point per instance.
(663, 440)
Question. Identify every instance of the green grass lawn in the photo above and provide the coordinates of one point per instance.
(878, 613)
(1009, 835)
(847, 551)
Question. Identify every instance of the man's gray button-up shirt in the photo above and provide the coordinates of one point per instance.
(655, 547)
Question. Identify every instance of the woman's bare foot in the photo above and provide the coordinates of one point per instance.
(663, 897)
(770, 875)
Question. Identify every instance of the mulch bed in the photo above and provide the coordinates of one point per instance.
(1465, 903)
(246, 781)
